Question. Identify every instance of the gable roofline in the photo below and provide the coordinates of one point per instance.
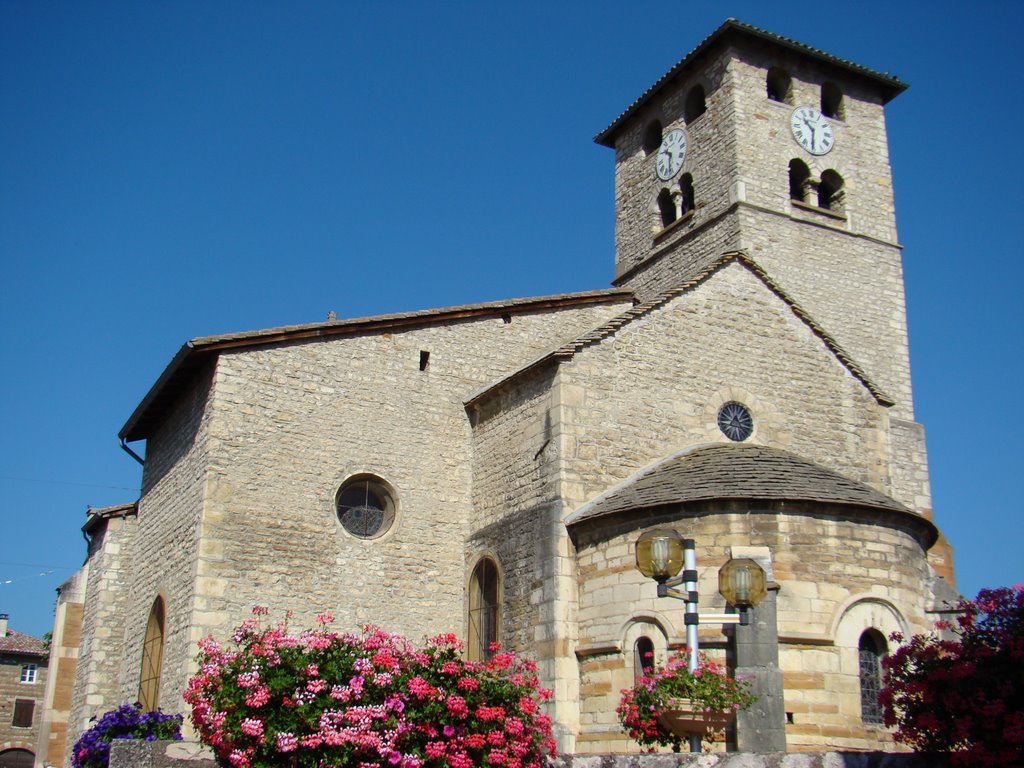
(195, 353)
(890, 86)
(569, 350)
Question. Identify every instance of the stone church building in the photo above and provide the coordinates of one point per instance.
(487, 469)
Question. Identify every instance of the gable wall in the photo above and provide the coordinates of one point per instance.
(656, 386)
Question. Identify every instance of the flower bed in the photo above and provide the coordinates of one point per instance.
(323, 698)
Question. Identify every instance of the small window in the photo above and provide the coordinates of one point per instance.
(735, 421)
(652, 136)
(28, 673)
(366, 506)
(152, 658)
(686, 194)
(779, 85)
(483, 610)
(696, 104)
(799, 174)
(24, 711)
(666, 207)
(830, 192)
(643, 657)
(832, 101)
(871, 649)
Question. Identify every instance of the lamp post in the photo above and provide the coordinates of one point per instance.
(660, 555)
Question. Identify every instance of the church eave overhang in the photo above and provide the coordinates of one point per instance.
(925, 530)
(889, 85)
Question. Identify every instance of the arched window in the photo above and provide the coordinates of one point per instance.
(830, 192)
(696, 104)
(686, 193)
(871, 648)
(779, 85)
(643, 657)
(152, 658)
(832, 101)
(666, 207)
(652, 136)
(483, 610)
(799, 174)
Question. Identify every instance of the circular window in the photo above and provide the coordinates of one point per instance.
(365, 506)
(735, 421)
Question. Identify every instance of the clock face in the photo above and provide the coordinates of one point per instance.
(671, 154)
(812, 130)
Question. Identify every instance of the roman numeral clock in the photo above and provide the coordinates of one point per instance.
(812, 130)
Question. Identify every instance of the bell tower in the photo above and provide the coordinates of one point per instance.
(758, 143)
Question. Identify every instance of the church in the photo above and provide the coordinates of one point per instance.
(487, 469)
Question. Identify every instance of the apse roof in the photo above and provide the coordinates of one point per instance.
(890, 85)
(733, 471)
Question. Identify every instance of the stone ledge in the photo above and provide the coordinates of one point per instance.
(186, 754)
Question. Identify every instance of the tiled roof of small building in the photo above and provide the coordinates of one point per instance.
(24, 645)
(732, 471)
(890, 85)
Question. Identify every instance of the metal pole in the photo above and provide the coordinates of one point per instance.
(691, 617)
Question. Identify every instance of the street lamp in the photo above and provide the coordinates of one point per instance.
(660, 555)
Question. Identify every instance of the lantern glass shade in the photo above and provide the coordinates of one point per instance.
(741, 582)
(659, 554)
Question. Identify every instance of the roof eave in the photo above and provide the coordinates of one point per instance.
(889, 85)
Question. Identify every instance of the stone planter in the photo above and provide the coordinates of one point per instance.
(683, 718)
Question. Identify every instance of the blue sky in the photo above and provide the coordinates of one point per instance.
(171, 170)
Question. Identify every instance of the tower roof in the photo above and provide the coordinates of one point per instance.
(889, 86)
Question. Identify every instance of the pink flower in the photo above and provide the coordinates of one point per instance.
(325, 617)
(252, 727)
(286, 742)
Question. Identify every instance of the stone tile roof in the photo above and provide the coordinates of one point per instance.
(733, 471)
(889, 85)
(193, 354)
(95, 515)
(697, 276)
(21, 644)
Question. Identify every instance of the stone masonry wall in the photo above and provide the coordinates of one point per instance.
(655, 387)
(97, 686)
(65, 643)
(518, 521)
(163, 563)
(293, 422)
(710, 160)
(829, 565)
(11, 690)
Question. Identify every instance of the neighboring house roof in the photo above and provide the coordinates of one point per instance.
(196, 352)
(889, 85)
(734, 471)
(568, 351)
(21, 644)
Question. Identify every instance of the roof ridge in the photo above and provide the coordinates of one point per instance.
(890, 82)
(608, 328)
